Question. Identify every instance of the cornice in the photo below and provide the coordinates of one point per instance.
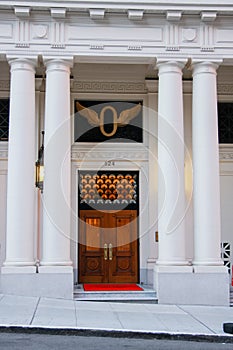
(206, 6)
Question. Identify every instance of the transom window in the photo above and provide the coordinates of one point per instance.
(108, 189)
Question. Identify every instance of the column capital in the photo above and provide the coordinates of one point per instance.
(58, 64)
(210, 67)
(22, 63)
(170, 66)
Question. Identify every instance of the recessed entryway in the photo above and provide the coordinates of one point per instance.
(108, 228)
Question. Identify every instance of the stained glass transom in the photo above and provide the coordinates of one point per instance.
(108, 188)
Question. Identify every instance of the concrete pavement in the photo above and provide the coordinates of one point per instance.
(48, 315)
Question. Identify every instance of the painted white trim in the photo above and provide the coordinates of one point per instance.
(226, 153)
(3, 150)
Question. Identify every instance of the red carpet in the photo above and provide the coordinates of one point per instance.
(96, 287)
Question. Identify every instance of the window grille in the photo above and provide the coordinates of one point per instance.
(225, 122)
(4, 119)
(226, 255)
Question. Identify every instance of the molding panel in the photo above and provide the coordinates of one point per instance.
(3, 150)
(226, 153)
(4, 85)
(6, 31)
(225, 89)
(109, 155)
(108, 87)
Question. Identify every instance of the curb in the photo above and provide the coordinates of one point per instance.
(211, 338)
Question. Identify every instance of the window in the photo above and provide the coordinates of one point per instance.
(108, 189)
(225, 122)
(4, 119)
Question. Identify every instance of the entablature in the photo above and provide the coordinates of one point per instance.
(136, 32)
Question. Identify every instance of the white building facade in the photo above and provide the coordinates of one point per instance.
(174, 61)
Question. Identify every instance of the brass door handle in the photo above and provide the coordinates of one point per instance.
(110, 251)
(105, 251)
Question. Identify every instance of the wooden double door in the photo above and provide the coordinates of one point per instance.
(108, 246)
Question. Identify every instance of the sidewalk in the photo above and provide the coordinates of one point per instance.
(120, 319)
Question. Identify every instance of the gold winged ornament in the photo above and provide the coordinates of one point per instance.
(95, 120)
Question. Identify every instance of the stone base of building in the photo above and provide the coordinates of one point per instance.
(192, 285)
(55, 282)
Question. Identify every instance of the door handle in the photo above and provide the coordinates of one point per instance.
(110, 251)
(105, 251)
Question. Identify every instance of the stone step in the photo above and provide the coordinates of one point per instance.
(147, 295)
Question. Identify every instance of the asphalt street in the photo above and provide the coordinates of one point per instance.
(12, 341)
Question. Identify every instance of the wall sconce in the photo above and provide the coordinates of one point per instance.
(40, 166)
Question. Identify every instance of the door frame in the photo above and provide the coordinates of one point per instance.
(87, 158)
(135, 207)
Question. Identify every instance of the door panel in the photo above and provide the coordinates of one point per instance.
(91, 254)
(108, 246)
(124, 266)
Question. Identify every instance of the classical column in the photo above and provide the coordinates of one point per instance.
(21, 166)
(56, 194)
(206, 193)
(171, 195)
(152, 133)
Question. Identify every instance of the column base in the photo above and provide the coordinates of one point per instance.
(53, 282)
(18, 269)
(191, 285)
